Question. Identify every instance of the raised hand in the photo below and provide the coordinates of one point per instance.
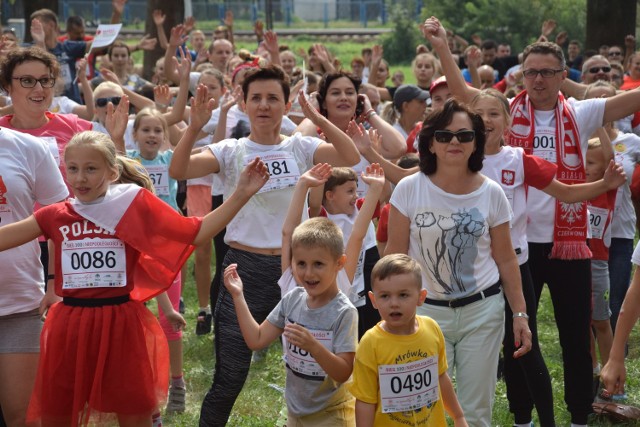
(158, 17)
(232, 280)
(309, 111)
(476, 39)
(376, 53)
(258, 29)
(316, 176)
(228, 19)
(373, 176)
(474, 56)
(117, 118)
(231, 99)
(162, 95)
(547, 27)
(184, 65)
(271, 41)
(189, 24)
(630, 42)
(37, 32)
(253, 177)
(118, 6)
(110, 76)
(359, 136)
(201, 108)
(434, 32)
(81, 70)
(561, 38)
(178, 36)
(147, 43)
(614, 175)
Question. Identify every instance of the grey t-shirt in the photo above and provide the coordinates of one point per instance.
(335, 325)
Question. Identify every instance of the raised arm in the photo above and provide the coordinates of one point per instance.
(85, 111)
(373, 176)
(158, 19)
(184, 69)
(314, 177)
(614, 177)
(176, 39)
(256, 336)
(368, 148)
(341, 151)
(437, 35)
(271, 44)
(116, 123)
(184, 165)
(621, 105)
(252, 178)
(392, 145)
(135, 98)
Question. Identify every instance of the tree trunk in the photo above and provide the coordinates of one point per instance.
(609, 21)
(31, 6)
(174, 12)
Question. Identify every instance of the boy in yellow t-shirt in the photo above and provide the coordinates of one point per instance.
(400, 374)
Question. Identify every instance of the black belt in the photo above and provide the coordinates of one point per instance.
(95, 302)
(461, 302)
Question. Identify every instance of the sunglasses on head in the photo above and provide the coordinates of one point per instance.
(445, 136)
(102, 102)
(595, 70)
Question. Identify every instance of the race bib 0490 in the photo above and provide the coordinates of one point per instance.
(408, 386)
(93, 263)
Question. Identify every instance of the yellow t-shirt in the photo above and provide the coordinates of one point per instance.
(415, 352)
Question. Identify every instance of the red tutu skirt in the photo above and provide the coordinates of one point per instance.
(97, 362)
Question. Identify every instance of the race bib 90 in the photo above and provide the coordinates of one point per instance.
(408, 386)
(93, 263)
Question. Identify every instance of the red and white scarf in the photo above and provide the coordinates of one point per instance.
(570, 226)
(163, 237)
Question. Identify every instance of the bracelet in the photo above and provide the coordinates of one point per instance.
(521, 314)
(369, 113)
(51, 277)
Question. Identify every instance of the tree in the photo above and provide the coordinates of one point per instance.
(609, 21)
(174, 12)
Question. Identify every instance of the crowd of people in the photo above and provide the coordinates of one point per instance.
(396, 238)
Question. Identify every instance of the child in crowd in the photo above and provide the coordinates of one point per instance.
(599, 154)
(340, 202)
(318, 321)
(400, 374)
(408, 161)
(150, 132)
(103, 353)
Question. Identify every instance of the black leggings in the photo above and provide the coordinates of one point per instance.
(259, 274)
(527, 378)
(368, 316)
(221, 249)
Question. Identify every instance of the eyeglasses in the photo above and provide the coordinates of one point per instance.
(445, 136)
(614, 53)
(595, 70)
(547, 73)
(29, 82)
(102, 102)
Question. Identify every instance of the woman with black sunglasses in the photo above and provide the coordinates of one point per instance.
(455, 223)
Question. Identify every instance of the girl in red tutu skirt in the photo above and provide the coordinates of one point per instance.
(104, 356)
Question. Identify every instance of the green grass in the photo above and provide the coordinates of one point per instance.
(260, 405)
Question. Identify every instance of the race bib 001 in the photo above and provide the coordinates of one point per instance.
(408, 386)
(93, 263)
(544, 144)
(283, 170)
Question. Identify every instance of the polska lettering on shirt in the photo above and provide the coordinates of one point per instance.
(82, 228)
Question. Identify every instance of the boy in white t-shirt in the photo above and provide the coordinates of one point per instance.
(400, 374)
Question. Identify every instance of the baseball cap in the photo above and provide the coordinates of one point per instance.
(440, 81)
(406, 93)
